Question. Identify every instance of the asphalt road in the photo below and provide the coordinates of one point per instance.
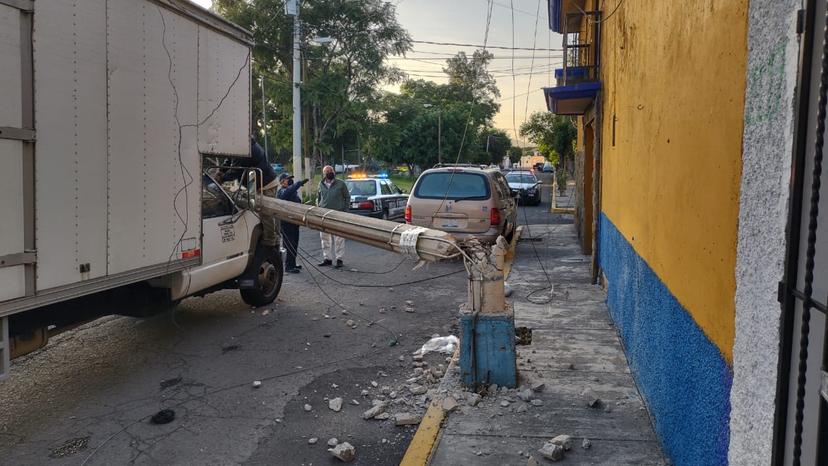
(88, 397)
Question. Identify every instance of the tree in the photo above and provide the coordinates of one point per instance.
(554, 135)
(341, 79)
(494, 144)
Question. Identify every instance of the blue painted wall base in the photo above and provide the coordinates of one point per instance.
(487, 350)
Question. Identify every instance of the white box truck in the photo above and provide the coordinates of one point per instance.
(109, 110)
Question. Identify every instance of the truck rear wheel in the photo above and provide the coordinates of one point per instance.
(267, 272)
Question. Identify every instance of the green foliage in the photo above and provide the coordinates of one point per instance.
(406, 126)
(340, 79)
(554, 135)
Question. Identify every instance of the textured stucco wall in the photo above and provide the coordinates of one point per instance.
(763, 210)
(673, 95)
(681, 373)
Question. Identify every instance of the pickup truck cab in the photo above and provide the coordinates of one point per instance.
(232, 256)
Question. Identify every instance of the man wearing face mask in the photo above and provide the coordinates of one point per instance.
(332, 194)
(288, 191)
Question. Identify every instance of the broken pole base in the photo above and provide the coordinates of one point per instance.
(487, 350)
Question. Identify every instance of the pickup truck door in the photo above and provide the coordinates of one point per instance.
(225, 238)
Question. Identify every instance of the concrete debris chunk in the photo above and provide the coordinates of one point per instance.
(449, 404)
(409, 309)
(374, 384)
(355, 402)
(473, 399)
(417, 389)
(385, 389)
(536, 402)
(308, 407)
(551, 451)
(522, 408)
(335, 404)
(586, 444)
(364, 393)
(257, 383)
(591, 398)
(344, 452)
(382, 416)
(504, 404)
(312, 441)
(406, 419)
(493, 388)
(525, 394)
(374, 411)
(532, 461)
(401, 358)
(333, 441)
(409, 302)
(563, 440)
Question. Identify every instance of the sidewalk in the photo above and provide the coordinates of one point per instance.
(576, 353)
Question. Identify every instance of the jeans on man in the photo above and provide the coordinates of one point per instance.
(290, 237)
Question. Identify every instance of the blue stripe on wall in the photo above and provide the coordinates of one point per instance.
(681, 373)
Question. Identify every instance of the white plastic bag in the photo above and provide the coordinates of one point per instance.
(445, 345)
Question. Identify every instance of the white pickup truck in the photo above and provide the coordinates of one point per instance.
(109, 111)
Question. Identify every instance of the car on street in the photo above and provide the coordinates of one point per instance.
(525, 185)
(376, 196)
(548, 168)
(466, 201)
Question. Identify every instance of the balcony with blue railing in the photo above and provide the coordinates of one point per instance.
(577, 82)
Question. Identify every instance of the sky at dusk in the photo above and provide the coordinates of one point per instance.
(464, 21)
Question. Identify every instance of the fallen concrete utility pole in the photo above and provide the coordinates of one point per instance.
(429, 245)
(487, 353)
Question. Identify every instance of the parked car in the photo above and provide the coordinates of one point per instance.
(548, 168)
(376, 196)
(524, 184)
(464, 201)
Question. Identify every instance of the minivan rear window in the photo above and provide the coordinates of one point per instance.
(453, 186)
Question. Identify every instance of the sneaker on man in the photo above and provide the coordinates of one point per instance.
(325, 263)
(292, 270)
(338, 264)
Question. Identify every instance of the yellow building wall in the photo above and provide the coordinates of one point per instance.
(673, 83)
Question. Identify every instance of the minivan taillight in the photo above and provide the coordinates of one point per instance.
(494, 216)
(408, 214)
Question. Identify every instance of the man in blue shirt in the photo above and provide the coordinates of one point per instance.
(288, 191)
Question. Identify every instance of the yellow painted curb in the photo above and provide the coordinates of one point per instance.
(425, 439)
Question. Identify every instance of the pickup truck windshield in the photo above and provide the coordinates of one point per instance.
(441, 185)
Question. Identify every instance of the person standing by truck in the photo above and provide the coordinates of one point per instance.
(288, 191)
(332, 194)
(268, 188)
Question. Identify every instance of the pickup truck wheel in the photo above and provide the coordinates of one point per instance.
(268, 277)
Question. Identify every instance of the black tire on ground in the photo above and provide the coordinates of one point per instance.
(269, 271)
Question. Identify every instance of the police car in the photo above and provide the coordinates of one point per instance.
(376, 196)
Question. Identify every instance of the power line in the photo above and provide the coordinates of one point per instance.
(532, 66)
(482, 46)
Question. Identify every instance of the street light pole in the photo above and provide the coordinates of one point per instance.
(439, 136)
(264, 120)
(439, 132)
(292, 9)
